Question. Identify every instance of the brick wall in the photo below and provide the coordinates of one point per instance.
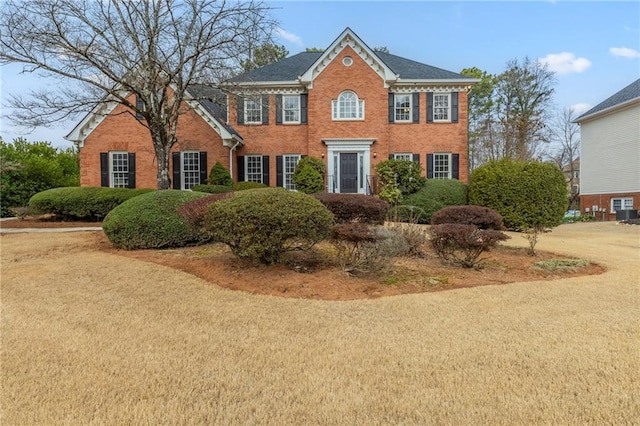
(603, 201)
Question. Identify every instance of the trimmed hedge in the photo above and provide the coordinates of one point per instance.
(528, 195)
(82, 203)
(309, 175)
(481, 217)
(463, 244)
(152, 221)
(347, 208)
(243, 186)
(433, 196)
(219, 176)
(212, 189)
(262, 224)
(193, 211)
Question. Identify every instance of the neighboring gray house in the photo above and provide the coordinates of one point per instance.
(610, 154)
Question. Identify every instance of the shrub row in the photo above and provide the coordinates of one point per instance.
(81, 203)
(347, 208)
(152, 221)
(212, 189)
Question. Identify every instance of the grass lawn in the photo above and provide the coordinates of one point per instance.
(95, 338)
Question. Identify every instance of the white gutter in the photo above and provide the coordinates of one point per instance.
(231, 149)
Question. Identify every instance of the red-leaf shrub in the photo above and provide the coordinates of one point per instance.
(348, 208)
(193, 211)
(481, 217)
(463, 244)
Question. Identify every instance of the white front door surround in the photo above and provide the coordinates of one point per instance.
(359, 146)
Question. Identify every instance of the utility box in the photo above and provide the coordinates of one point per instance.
(626, 214)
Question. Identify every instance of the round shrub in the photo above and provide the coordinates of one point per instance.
(262, 224)
(309, 175)
(219, 175)
(242, 186)
(433, 196)
(82, 203)
(152, 221)
(405, 176)
(480, 217)
(528, 195)
(347, 208)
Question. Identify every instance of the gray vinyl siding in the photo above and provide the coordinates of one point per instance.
(610, 153)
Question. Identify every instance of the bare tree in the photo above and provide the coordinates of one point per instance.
(105, 51)
(566, 134)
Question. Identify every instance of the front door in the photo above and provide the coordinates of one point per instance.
(349, 172)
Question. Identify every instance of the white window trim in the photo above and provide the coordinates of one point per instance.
(284, 120)
(259, 103)
(449, 165)
(182, 171)
(284, 170)
(448, 119)
(335, 108)
(396, 108)
(399, 155)
(623, 201)
(111, 172)
(246, 168)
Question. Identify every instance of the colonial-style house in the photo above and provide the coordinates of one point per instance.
(348, 105)
(610, 154)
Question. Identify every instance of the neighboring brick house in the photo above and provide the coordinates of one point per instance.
(348, 105)
(610, 154)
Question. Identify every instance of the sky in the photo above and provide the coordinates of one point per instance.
(593, 47)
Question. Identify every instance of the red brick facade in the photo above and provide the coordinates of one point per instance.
(603, 204)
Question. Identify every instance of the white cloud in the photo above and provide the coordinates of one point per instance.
(290, 37)
(565, 63)
(624, 52)
(581, 108)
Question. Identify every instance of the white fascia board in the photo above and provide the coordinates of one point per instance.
(607, 111)
(468, 81)
(92, 120)
(212, 121)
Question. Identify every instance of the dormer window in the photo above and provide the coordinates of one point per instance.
(348, 107)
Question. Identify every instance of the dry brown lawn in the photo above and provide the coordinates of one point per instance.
(95, 338)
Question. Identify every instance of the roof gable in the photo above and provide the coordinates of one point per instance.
(623, 97)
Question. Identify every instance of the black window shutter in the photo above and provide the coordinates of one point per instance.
(265, 109)
(139, 107)
(455, 166)
(416, 107)
(416, 158)
(303, 108)
(429, 107)
(392, 100)
(265, 169)
(278, 109)
(391, 157)
(240, 164)
(104, 169)
(429, 166)
(176, 170)
(454, 107)
(279, 174)
(203, 167)
(240, 109)
(132, 170)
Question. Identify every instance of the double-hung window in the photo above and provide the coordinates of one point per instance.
(441, 107)
(403, 156)
(348, 107)
(190, 169)
(252, 111)
(253, 169)
(119, 169)
(291, 109)
(442, 166)
(403, 108)
(621, 204)
(289, 166)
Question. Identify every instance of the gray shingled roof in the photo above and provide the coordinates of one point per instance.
(289, 69)
(632, 91)
(215, 102)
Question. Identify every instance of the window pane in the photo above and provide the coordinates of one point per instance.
(291, 109)
(254, 168)
(406, 157)
(289, 166)
(190, 169)
(252, 111)
(440, 107)
(119, 169)
(403, 107)
(441, 166)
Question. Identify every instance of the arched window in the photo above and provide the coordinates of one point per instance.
(348, 107)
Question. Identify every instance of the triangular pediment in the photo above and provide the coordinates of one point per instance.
(349, 39)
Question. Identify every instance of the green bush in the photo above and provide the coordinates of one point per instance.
(405, 176)
(82, 203)
(219, 176)
(309, 175)
(347, 208)
(212, 189)
(528, 195)
(433, 196)
(262, 224)
(242, 186)
(151, 221)
(27, 168)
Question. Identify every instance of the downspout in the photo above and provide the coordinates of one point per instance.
(231, 149)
